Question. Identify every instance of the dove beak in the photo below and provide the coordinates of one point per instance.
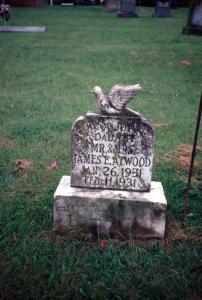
(138, 87)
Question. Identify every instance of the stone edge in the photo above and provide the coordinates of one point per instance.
(156, 194)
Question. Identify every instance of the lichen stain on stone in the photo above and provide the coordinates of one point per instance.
(85, 171)
(145, 186)
(157, 212)
(79, 134)
(138, 229)
(115, 214)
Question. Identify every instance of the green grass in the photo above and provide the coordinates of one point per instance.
(45, 79)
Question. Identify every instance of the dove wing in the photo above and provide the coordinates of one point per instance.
(120, 95)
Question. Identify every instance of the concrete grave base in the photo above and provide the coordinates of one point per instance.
(111, 212)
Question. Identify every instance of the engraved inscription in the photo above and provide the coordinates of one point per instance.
(112, 152)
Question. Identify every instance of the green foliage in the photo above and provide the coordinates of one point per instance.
(44, 85)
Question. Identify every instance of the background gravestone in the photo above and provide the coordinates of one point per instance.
(162, 9)
(127, 9)
(112, 5)
(194, 23)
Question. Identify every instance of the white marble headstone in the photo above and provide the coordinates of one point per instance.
(109, 190)
(112, 152)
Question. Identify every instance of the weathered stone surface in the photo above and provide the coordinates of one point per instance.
(133, 214)
(116, 101)
(162, 8)
(112, 152)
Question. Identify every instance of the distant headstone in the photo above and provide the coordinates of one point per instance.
(112, 5)
(22, 29)
(127, 9)
(109, 189)
(194, 23)
(162, 9)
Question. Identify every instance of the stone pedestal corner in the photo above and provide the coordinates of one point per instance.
(100, 211)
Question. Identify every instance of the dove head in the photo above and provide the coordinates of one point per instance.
(97, 90)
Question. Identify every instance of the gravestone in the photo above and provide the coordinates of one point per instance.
(162, 9)
(194, 23)
(112, 5)
(109, 189)
(112, 152)
(127, 9)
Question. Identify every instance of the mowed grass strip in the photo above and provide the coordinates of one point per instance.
(45, 82)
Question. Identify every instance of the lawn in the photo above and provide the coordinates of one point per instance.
(45, 82)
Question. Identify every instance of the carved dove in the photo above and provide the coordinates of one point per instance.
(117, 99)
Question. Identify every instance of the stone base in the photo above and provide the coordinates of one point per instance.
(192, 30)
(162, 12)
(127, 14)
(162, 15)
(110, 212)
